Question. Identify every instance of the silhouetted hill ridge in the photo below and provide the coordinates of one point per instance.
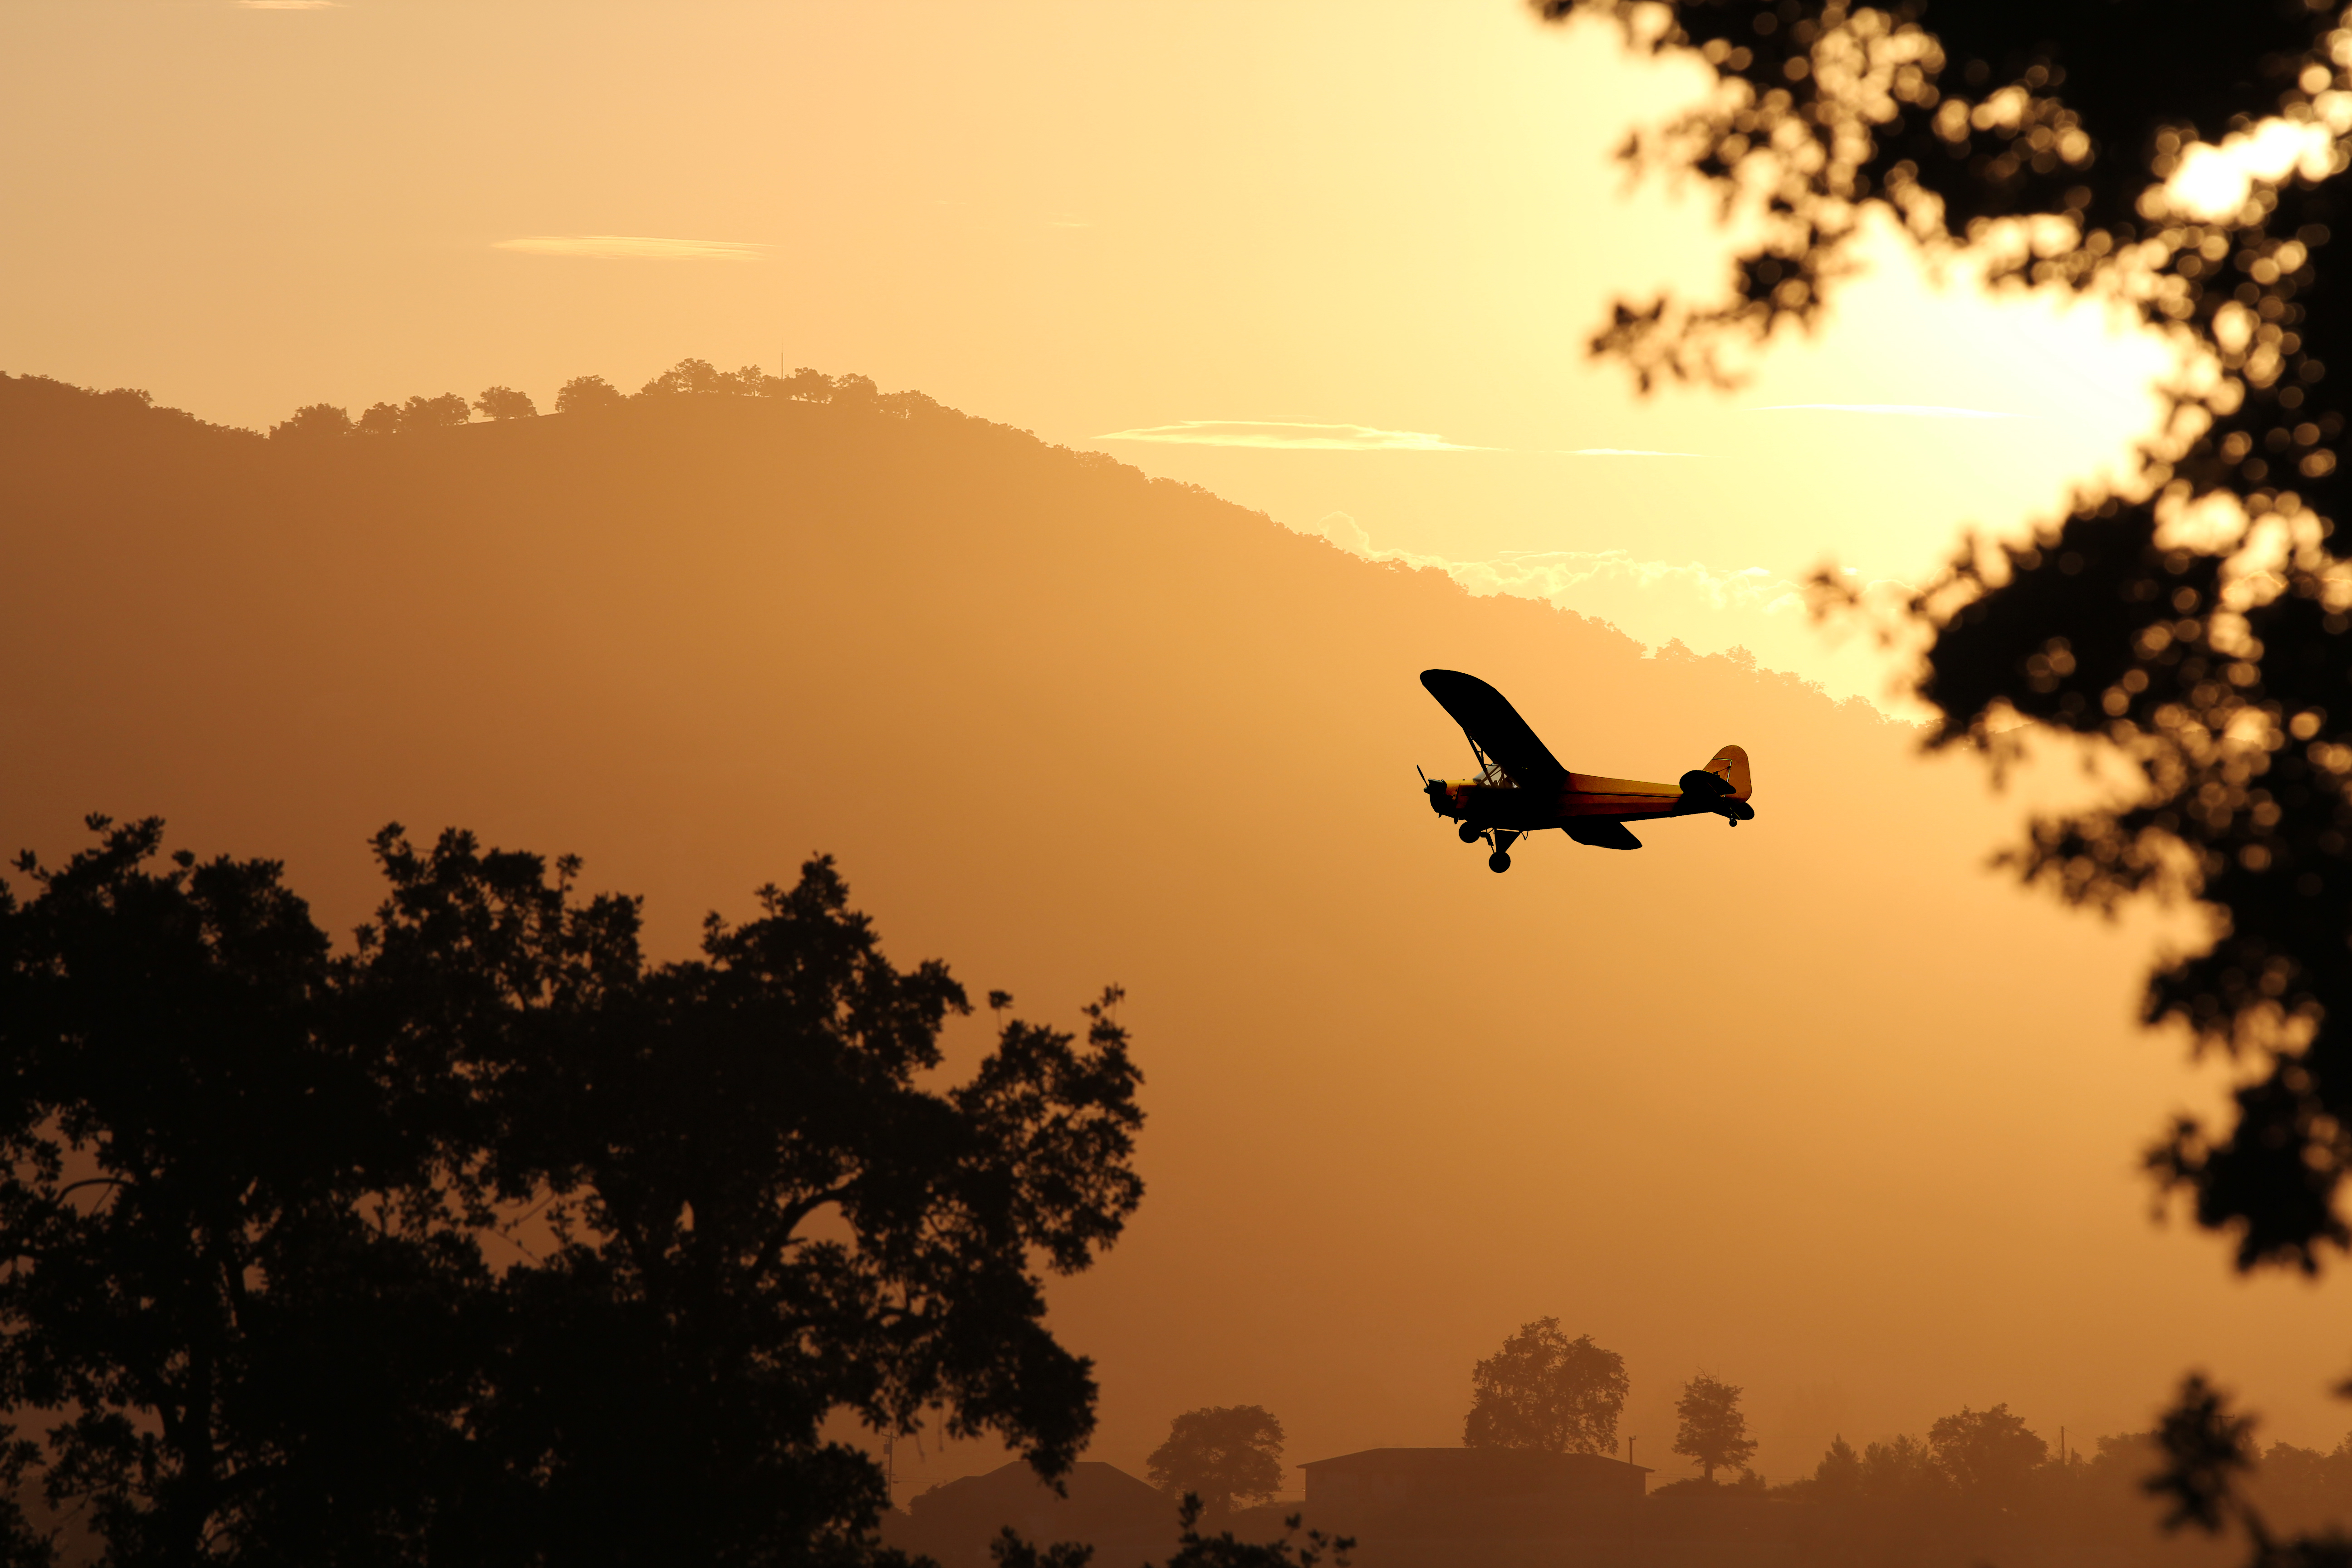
(123, 432)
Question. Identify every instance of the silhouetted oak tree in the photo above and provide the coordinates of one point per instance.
(249, 1182)
(760, 1215)
(1544, 1391)
(1222, 1455)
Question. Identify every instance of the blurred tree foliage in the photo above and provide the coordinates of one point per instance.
(1222, 1455)
(2039, 138)
(2194, 614)
(253, 1191)
(1547, 1391)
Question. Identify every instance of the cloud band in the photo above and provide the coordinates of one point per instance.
(633, 247)
(1280, 434)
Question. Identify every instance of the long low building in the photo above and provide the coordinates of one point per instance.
(1471, 1492)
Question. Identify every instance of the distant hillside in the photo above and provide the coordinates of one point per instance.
(1814, 1103)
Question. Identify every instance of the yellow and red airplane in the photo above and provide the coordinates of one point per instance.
(1521, 787)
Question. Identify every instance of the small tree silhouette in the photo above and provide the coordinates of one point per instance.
(436, 412)
(313, 422)
(1224, 1453)
(1988, 1454)
(505, 403)
(588, 394)
(1714, 1434)
(381, 419)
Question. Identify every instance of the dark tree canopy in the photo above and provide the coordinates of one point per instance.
(1712, 1431)
(505, 403)
(1222, 1455)
(312, 422)
(2039, 136)
(1547, 1391)
(588, 394)
(1988, 1454)
(251, 1186)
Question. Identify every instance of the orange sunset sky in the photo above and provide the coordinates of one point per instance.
(1081, 219)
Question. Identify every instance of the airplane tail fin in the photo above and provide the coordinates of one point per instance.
(1730, 765)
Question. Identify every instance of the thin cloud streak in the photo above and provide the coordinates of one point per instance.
(1279, 434)
(633, 247)
(1558, 575)
(1905, 410)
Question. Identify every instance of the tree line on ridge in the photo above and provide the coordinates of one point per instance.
(591, 394)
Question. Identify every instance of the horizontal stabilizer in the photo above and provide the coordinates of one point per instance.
(1602, 833)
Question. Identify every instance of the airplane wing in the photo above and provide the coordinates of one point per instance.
(1496, 727)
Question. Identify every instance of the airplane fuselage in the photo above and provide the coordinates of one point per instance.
(1586, 796)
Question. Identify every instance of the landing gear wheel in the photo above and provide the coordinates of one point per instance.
(1499, 861)
(1468, 834)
